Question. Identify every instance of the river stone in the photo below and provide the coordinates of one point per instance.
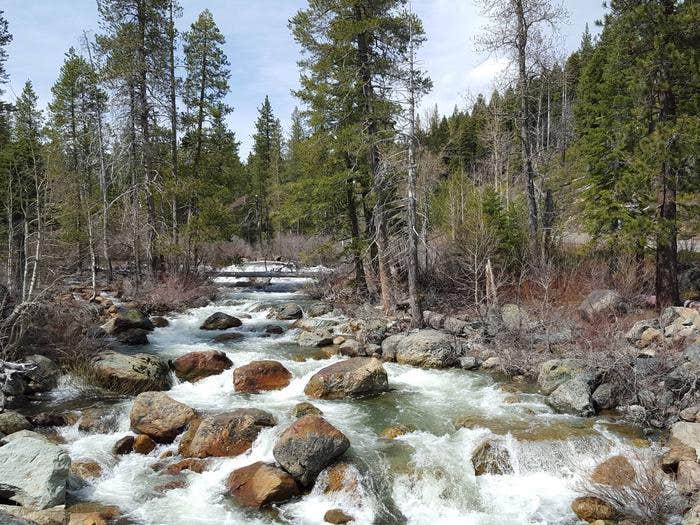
(44, 377)
(46, 419)
(337, 516)
(358, 376)
(198, 365)
(390, 345)
(351, 348)
(287, 312)
(428, 349)
(220, 321)
(304, 409)
(604, 396)
(258, 376)
(434, 319)
(33, 473)
(23, 434)
(223, 435)
(274, 329)
(317, 338)
(602, 303)
(318, 309)
(133, 337)
(99, 420)
(229, 337)
(308, 446)
(159, 416)
(556, 372)
(85, 469)
(143, 444)
(688, 477)
(688, 434)
(160, 321)
(616, 471)
(127, 319)
(591, 508)
(260, 484)
(573, 396)
(15, 515)
(133, 373)
(491, 457)
(11, 422)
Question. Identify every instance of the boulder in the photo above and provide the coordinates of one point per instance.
(15, 515)
(604, 397)
(341, 476)
(308, 446)
(352, 348)
(159, 416)
(45, 419)
(11, 422)
(692, 353)
(635, 333)
(274, 329)
(160, 321)
(491, 457)
(126, 319)
(434, 320)
(455, 325)
(358, 376)
(602, 303)
(133, 337)
(193, 465)
(198, 365)
(337, 516)
(220, 321)
(317, 338)
(573, 396)
(491, 363)
(690, 414)
(43, 376)
(616, 471)
(85, 469)
(305, 409)
(133, 373)
(258, 376)
(260, 484)
(688, 477)
(516, 319)
(676, 453)
(143, 444)
(428, 349)
(99, 420)
(390, 345)
(23, 434)
(33, 473)
(318, 309)
(223, 435)
(124, 446)
(228, 337)
(287, 312)
(556, 372)
(591, 508)
(687, 434)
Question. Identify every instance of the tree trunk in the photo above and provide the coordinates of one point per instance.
(173, 121)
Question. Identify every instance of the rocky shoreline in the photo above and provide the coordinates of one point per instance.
(310, 450)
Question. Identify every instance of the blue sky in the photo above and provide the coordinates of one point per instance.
(263, 54)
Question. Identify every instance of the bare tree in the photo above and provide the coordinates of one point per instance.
(522, 30)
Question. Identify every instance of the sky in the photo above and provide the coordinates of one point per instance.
(263, 54)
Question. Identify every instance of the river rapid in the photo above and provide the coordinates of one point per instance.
(424, 477)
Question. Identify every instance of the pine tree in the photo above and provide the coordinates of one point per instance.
(5, 39)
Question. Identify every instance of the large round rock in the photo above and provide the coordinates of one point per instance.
(220, 321)
(287, 312)
(260, 484)
(428, 349)
(198, 365)
(223, 435)
(127, 319)
(259, 376)
(159, 416)
(308, 446)
(131, 374)
(359, 376)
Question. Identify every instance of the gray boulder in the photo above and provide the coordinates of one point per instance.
(428, 349)
(358, 376)
(11, 422)
(604, 397)
(556, 372)
(434, 320)
(317, 338)
(127, 319)
(602, 303)
(308, 446)
(455, 326)
(390, 345)
(44, 376)
(131, 373)
(220, 321)
(516, 319)
(686, 433)
(692, 353)
(352, 348)
(573, 396)
(33, 473)
(287, 312)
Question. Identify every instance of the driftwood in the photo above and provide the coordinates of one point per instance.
(12, 379)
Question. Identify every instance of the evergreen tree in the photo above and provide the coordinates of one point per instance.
(5, 39)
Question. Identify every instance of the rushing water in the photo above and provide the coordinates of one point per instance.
(423, 477)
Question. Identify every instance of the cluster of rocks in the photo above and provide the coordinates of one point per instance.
(682, 460)
(35, 374)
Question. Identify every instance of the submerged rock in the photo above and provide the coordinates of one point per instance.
(395, 431)
(305, 409)
(33, 473)
(229, 337)
(358, 376)
(227, 434)
(198, 365)
(133, 373)
(124, 446)
(491, 457)
(273, 329)
(592, 508)
(159, 416)
(616, 471)
(428, 349)
(220, 321)
(308, 446)
(259, 376)
(337, 516)
(260, 484)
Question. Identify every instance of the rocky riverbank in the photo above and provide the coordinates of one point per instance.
(280, 429)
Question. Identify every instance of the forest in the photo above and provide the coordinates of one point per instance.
(576, 178)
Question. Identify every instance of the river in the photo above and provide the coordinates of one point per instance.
(424, 477)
